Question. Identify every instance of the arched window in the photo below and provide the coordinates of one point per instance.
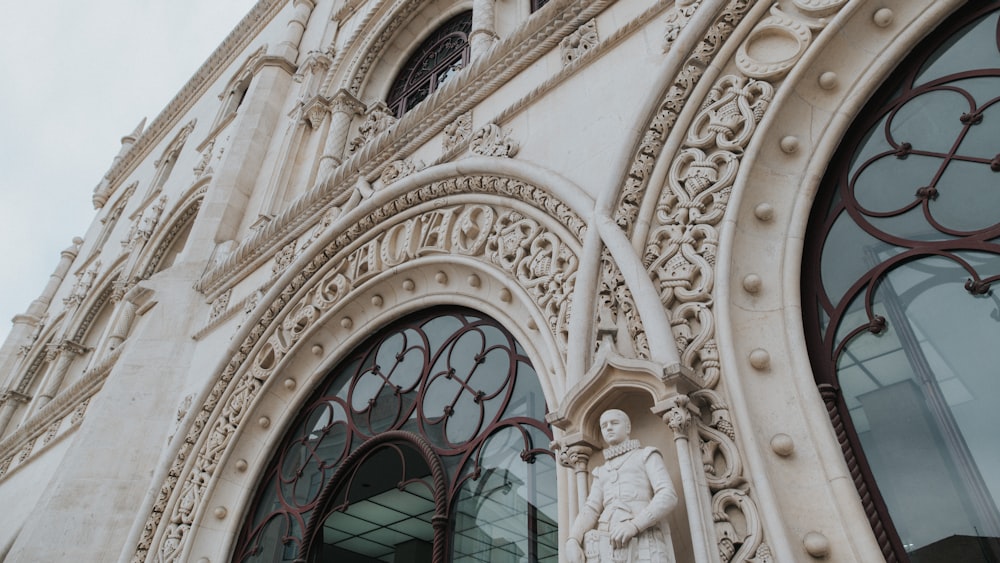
(900, 303)
(427, 443)
(438, 58)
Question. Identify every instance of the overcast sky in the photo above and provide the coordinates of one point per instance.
(76, 77)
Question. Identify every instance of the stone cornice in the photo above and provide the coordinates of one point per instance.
(234, 44)
(510, 57)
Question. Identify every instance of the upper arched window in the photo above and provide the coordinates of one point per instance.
(426, 444)
(438, 58)
(899, 296)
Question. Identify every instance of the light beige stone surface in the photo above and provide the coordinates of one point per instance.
(153, 430)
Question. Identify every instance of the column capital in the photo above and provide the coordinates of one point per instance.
(574, 451)
(677, 412)
(345, 102)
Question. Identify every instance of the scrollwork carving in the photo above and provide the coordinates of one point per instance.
(542, 261)
(677, 18)
(399, 169)
(492, 140)
(283, 258)
(576, 44)
(458, 131)
(378, 120)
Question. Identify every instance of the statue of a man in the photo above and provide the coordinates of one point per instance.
(623, 519)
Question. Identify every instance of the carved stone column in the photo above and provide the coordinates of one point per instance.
(25, 324)
(343, 108)
(125, 317)
(9, 401)
(483, 34)
(574, 453)
(289, 45)
(63, 353)
(678, 413)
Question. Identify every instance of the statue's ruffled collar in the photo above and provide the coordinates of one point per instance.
(621, 449)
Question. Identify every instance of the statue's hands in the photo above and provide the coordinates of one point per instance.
(623, 533)
(574, 553)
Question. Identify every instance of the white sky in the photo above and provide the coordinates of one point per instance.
(76, 77)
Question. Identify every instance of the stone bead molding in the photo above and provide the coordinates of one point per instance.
(518, 230)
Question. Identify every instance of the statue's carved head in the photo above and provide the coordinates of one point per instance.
(615, 426)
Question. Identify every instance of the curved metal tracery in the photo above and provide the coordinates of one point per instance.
(908, 220)
(443, 53)
(456, 381)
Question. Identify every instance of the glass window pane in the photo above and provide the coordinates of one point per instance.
(913, 359)
(460, 383)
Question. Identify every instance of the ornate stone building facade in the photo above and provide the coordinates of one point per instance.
(365, 286)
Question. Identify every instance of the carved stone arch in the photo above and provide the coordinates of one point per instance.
(390, 25)
(332, 292)
(276, 400)
(172, 229)
(100, 297)
(236, 88)
(35, 358)
(693, 158)
(761, 343)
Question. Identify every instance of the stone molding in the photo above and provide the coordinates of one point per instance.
(772, 197)
(509, 226)
(457, 96)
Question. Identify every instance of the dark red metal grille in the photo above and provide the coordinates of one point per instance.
(452, 378)
(923, 212)
(443, 53)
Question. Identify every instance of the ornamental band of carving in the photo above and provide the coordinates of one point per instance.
(541, 261)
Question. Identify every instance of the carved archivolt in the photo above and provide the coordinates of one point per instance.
(681, 245)
(665, 116)
(520, 231)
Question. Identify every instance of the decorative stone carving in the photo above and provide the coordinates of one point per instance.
(775, 45)
(541, 261)
(576, 44)
(51, 431)
(380, 118)
(619, 318)
(314, 67)
(730, 114)
(142, 228)
(206, 156)
(321, 226)
(314, 112)
(662, 122)
(623, 519)
(151, 218)
(677, 18)
(32, 338)
(458, 131)
(82, 285)
(219, 305)
(399, 169)
(178, 142)
(283, 258)
(491, 140)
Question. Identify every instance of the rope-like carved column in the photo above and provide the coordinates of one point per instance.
(343, 108)
(483, 34)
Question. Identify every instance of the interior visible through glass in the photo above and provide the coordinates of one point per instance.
(907, 303)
